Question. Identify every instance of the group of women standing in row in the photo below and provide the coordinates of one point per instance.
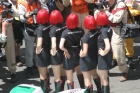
(68, 46)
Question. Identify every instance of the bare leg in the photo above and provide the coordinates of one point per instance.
(77, 69)
(42, 72)
(63, 73)
(70, 82)
(94, 73)
(57, 72)
(104, 77)
(43, 79)
(87, 78)
(69, 74)
(88, 83)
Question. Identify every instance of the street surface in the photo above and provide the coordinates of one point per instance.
(132, 85)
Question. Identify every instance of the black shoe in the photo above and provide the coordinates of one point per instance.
(114, 63)
(29, 72)
(3, 58)
(131, 63)
(132, 66)
(13, 78)
(18, 61)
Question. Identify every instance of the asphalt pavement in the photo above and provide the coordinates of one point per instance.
(132, 85)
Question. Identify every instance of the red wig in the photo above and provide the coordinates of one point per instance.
(42, 17)
(89, 22)
(56, 17)
(72, 21)
(102, 19)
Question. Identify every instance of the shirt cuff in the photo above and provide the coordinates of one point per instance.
(107, 13)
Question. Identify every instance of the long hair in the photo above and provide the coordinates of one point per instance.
(102, 19)
(89, 22)
(42, 17)
(56, 17)
(72, 21)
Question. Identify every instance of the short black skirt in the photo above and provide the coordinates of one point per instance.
(104, 62)
(87, 63)
(58, 58)
(73, 61)
(43, 59)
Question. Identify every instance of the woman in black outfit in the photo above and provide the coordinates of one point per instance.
(43, 47)
(56, 30)
(89, 55)
(70, 44)
(104, 50)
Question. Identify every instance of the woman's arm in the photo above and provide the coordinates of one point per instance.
(61, 46)
(66, 3)
(107, 47)
(39, 45)
(59, 5)
(53, 46)
(84, 51)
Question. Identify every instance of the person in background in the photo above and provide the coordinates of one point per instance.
(27, 10)
(135, 12)
(70, 44)
(117, 42)
(7, 31)
(43, 48)
(56, 20)
(104, 50)
(89, 55)
(80, 7)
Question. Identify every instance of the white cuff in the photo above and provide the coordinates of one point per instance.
(108, 13)
(3, 38)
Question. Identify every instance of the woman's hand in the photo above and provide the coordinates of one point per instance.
(38, 50)
(102, 52)
(82, 54)
(53, 51)
(66, 53)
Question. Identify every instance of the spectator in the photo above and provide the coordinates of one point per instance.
(117, 42)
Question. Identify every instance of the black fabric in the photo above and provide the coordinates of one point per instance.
(51, 5)
(104, 62)
(40, 32)
(72, 44)
(130, 30)
(89, 62)
(72, 36)
(73, 61)
(18, 28)
(43, 59)
(30, 29)
(56, 32)
(106, 32)
(92, 7)
(137, 18)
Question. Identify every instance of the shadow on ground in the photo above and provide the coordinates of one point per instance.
(132, 75)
